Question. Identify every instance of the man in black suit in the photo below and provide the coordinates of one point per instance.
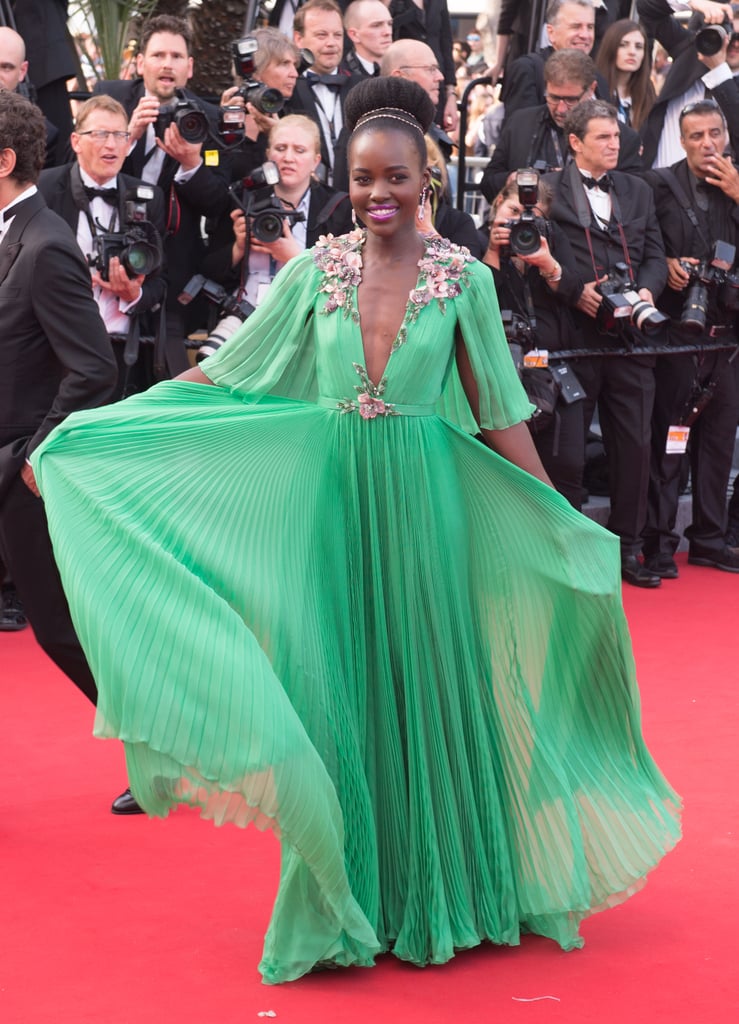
(13, 76)
(194, 187)
(369, 28)
(535, 137)
(93, 197)
(56, 359)
(570, 25)
(609, 218)
(696, 201)
(691, 77)
(321, 91)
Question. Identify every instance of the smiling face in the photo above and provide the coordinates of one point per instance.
(102, 160)
(295, 152)
(386, 175)
(573, 28)
(165, 65)
(630, 53)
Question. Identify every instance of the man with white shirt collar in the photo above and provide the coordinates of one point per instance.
(56, 360)
(194, 176)
(369, 26)
(91, 195)
(321, 91)
(609, 219)
(692, 76)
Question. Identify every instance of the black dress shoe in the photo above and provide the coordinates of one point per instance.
(126, 804)
(662, 565)
(12, 618)
(716, 558)
(633, 572)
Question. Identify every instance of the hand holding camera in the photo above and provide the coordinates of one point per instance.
(119, 283)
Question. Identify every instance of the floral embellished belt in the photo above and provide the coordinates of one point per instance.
(369, 407)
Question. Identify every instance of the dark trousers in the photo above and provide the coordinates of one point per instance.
(623, 388)
(710, 452)
(561, 448)
(26, 547)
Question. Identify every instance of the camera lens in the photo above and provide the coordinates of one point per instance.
(193, 125)
(139, 258)
(268, 101)
(267, 226)
(694, 313)
(525, 238)
(646, 318)
(710, 39)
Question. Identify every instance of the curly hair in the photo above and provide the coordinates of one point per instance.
(413, 109)
(23, 129)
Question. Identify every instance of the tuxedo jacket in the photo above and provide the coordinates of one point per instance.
(685, 71)
(55, 187)
(55, 355)
(204, 195)
(523, 85)
(329, 212)
(640, 230)
(303, 101)
(527, 137)
(353, 65)
(680, 235)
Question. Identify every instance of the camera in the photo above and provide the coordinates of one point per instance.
(527, 231)
(710, 38)
(710, 281)
(518, 330)
(231, 312)
(266, 100)
(264, 212)
(138, 245)
(189, 118)
(622, 303)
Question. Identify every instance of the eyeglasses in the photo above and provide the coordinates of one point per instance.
(569, 101)
(702, 106)
(100, 135)
(433, 69)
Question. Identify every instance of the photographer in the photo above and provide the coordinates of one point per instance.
(696, 207)
(693, 74)
(91, 196)
(160, 154)
(242, 263)
(536, 285)
(274, 65)
(609, 220)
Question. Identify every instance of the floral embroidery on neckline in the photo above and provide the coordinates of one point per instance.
(442, 270)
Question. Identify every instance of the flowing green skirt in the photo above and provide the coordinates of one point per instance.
(398, 651)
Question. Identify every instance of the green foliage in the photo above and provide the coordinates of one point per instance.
(108, 22)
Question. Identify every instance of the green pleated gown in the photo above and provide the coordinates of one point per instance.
(321, 606)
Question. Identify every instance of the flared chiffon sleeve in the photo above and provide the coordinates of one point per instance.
(273, 352)
(503, 401)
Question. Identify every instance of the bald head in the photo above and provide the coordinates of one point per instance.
(13, 63)
(412, 59)
(370, 28)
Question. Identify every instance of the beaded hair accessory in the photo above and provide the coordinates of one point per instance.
(388, 113)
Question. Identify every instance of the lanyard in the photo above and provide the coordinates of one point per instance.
(585, 216)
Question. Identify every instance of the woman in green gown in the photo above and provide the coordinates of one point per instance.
(313, 602)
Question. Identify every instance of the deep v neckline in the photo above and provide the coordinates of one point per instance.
(400, 334)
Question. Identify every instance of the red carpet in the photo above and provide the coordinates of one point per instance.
(128, 921)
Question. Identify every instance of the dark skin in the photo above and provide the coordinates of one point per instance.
(387, 173)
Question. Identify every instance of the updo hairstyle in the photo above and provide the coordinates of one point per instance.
(390, 104)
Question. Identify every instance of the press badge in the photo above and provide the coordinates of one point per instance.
(677, 440)
(538, 358)
(211, 157)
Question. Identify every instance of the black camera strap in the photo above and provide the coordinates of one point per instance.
(670, 179)
(77, 188)
(584, 213)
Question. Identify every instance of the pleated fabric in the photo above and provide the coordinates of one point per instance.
(395, 649)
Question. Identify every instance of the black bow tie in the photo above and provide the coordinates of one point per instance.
(110, 195)
(332, 81)
(603, 183)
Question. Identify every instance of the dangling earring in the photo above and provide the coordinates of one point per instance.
(422, 202)
(354, 217)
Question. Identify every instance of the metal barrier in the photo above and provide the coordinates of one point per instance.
(472, 199)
